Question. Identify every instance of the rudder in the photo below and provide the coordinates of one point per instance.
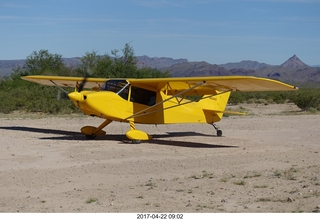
(215, 104)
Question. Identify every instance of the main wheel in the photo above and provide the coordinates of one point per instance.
(136, 141)
(219, 133)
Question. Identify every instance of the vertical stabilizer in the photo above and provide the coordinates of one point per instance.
(214, 105)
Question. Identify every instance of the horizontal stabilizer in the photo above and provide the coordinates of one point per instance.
(233, 113)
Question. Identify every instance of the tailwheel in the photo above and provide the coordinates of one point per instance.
(219, 132)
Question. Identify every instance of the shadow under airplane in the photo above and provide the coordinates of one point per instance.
(158, 139)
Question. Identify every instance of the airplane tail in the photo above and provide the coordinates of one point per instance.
(214, 106)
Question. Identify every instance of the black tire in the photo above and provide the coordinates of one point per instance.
(136, 141)
(219, 133)
(91, 137)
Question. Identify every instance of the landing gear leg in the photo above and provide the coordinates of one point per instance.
(133, 127)
(219, 132)
(92, 132)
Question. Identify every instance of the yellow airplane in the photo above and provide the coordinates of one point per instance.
(155, 100)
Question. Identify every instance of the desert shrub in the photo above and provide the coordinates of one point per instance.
(307, 99)
(6, 105)
(17, 94)
(237, 98)
(251, 101)
(260, 97)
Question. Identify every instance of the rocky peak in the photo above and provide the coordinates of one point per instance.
(294, 62)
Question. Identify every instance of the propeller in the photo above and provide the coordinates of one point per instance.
(76, 95)
(88, 73)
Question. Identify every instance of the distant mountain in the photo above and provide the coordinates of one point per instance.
(204, 69)
(156, 62)
(292, 70)
(6, 66)
(245, 64)
(72, 62)
(196, 69)
(294, 62)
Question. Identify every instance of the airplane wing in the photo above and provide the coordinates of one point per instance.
(196, 85)
(208, 85)
(64, 81)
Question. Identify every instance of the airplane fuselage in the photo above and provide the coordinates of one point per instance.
(116, 107)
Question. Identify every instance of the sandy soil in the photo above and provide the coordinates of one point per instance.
(267, 161)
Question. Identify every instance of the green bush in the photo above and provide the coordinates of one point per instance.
(17, 94)
(260, 97)
(307, 99)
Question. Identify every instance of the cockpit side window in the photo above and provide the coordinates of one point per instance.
(143, 96)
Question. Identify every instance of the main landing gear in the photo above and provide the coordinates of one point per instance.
(92, 132)
(219, 132)
(136, 136)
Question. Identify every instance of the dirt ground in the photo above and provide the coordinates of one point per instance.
(267, 161)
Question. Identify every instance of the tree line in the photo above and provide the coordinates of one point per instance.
(21, 95)
(307, 99)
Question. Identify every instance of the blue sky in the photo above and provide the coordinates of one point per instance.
(215, 31)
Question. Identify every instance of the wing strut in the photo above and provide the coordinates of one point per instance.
(59, 87)
(143, 112)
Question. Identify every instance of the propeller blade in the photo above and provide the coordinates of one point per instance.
(81, 86)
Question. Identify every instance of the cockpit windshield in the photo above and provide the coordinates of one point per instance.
(121, 87)
(138, 95)
(114, 85)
